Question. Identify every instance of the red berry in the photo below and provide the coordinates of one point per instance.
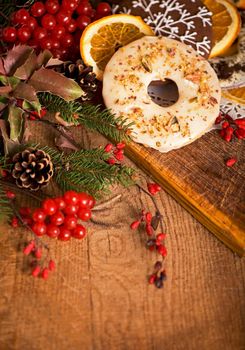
(58, 218)
(63, 18)
(83, 21)
(27, 221)
(10, 194)
(52, 6)
(9, 34)
(153, 188)
(49, 206)
(71, 197)
(21, 16)
(69, 5)
(84, 8)
(84, 214)
(230, 162)
(103, 9)
(71, 26)
(15, 222)
(25, 211)
(67, 40)
(152, 279)
(162, 250)
(71, 209)
(24, 34)
(39, 228)
(53, 231)
(46, 43)
(45, 273)
(135, 225)
(84, 199)
(51, 265)
(58, 31)
(108, 147)
(91, 202)
(111, 161)
(225, 124)
(48, 21)
(161, 236)
(65, 234)
(79, 232)
(119, 154)
(28, 249)
(38, 9)
(38, 215)
(36, 271)
(148, 217)
(149, 230)
(60, 202)
(70, 222)
(32, 24)
(39, 33)
(121, 145)
(38, 253)
(55, 43)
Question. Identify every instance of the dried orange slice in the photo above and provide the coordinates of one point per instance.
(237, 95)
(239, 3)
(102, 38)
(226, 25)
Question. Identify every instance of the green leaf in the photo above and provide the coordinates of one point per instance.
(31, 106)
(16, 57)
(49, 80)
(26, 92)
(16, 123)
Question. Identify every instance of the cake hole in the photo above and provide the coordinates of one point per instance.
(163, 93)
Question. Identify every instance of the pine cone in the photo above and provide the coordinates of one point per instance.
(82, 74)
(32, 169)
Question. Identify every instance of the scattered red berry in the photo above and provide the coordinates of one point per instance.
(51, 265)
(230, 162)
(10, 194)
(15, 222)
(45, 273)
(38, 253)
(135, 225)
(9, 35)
(153, 188)
(38, 9)
(103, 9)
(108, 147)
(36, 271)
(52, 6)
(28, 249)
(21, 16)
(152, 278)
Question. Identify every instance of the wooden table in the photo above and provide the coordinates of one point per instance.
(99, 298)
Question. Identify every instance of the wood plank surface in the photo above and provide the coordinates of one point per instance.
(99, 297)
(197, 177)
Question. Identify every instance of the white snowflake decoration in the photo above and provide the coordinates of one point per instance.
(164, 24)
(235, 110)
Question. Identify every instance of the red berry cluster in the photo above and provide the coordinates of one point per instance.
(38, 270)
(54, 25)
(59, 217)
(33, 115)
(117, 153)
(231, 127)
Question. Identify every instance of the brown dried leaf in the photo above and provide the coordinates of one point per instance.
(26, 70)
(16, 123)
(10, 147)
(49, 80)
(26, 92)
(43, 58)
(2, 70)
(62, 142)
(16, 58)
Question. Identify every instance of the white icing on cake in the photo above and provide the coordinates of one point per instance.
(133, 67)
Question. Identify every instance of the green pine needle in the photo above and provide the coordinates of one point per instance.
(90, 116)
(87, 170)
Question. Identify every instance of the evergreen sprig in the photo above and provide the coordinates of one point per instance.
(88, 170)
(90, 116)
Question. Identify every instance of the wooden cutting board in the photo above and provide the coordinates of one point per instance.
(197, 177)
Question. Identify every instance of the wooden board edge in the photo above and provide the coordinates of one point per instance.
(217, 227)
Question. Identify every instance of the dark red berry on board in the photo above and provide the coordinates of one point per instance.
(36, 271)
(10, 194)
(39, 215)
(51, 265)
(48, 21)
(28, 249)
(84, 8)
(9, 35)
(45, 273)
(230, 162)
(103, 9)
(32, 24)
(21, 16)
(152, 279)
(135, 225)
(79, 232)
(58, 31)
(24, 34)
(83, 21)
(53, 231)
(65, 234)
(63, 18)
(52, 6)
(38, 9)
(39, 33)
(49, 206)
(15, 222)
(39, 228)
(108, 147)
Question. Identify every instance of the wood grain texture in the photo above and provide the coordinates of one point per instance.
(99, 297)
(197, 177)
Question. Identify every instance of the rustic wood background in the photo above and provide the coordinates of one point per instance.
(99, 297)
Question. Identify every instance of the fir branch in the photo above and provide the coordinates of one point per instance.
(88, 170)
(90, 116)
